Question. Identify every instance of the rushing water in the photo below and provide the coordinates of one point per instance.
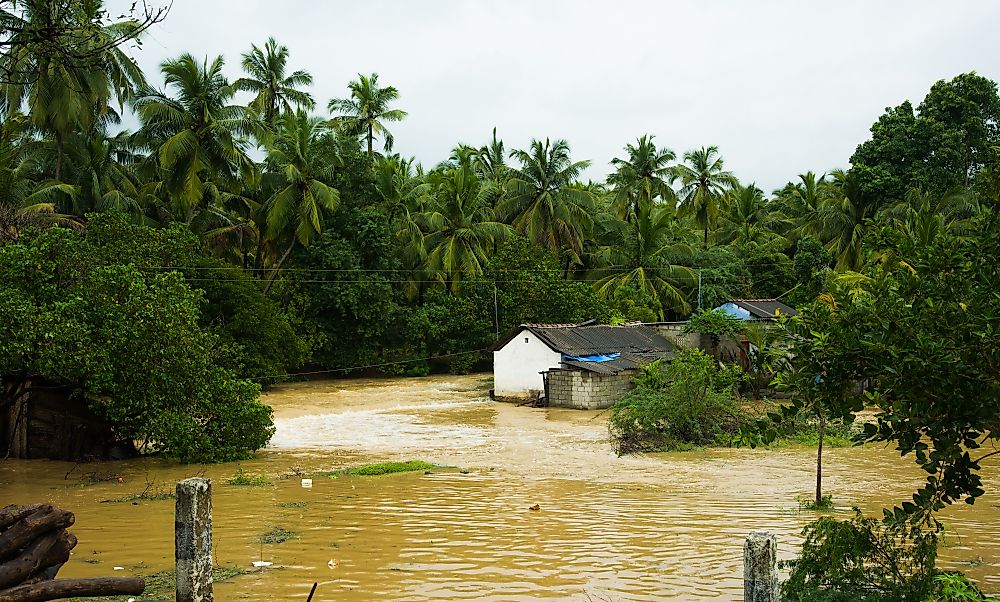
(606, 528)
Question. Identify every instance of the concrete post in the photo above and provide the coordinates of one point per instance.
(193, 540)
(760, 567)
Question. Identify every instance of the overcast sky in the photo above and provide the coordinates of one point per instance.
(781, 87)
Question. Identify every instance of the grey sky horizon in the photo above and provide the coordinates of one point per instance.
(781, 87)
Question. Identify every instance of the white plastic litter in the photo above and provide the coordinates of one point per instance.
(261, 563)
(119, 568)
(307, 483)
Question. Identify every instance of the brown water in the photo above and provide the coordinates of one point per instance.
(607, 528)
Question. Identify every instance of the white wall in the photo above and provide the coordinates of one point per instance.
(518, 364)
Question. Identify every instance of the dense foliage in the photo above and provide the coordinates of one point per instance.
(687, 401)
(312, 248)
(127, 340)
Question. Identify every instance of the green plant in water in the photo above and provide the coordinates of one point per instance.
(826, 503)
(277, 535)
(382, 468)
(244, 479)
(690, 401)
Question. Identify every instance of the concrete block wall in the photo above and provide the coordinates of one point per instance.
(586, 390)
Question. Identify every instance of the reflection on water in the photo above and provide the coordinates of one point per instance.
(607, 528)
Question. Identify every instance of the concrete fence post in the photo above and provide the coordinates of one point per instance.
(193, 540)
(760, 567)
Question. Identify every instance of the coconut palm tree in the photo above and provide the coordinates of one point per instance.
(98, 177)
(275, 91)
(399, 186)
(491, 165)
(924, 216)
(844, 220)
(802, 203)
(62, 97)
(747, 217)
(459, 227)
(367, 111)
(640, 255)
(643, 178)
(703, 182)
(542, 205)
(299, 172)
(197, 139)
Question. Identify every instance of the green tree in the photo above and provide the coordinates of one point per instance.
(845, 219)
(800, 203)
(130, 343)
(641, 255)
(299, 168)
(97, 177)
(543, 206)
(367, 111)
(63, 96)
(747, 217)
(642, 179)
(274, 90)
(704, 181)
(938, 148)
(197, 139)
(459, 227)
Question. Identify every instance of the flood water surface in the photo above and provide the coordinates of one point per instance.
(527, 504)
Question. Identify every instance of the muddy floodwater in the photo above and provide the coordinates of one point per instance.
(606, 528)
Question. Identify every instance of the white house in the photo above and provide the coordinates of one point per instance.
(588, 366)
(519, 363)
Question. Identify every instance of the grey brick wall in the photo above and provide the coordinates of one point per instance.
(587, 390)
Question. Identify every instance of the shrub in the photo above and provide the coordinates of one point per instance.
(869, 560)
(688, 401)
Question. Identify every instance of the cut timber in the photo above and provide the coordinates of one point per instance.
(68, 588)
(49, 551)
(35, 525)
(34, 545)
(11, 514)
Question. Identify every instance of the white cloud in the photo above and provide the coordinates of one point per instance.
(781, 86)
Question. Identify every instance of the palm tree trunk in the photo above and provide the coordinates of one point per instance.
(277, 266)
(370, 136)
(59, 153)
(819, 462)
(705, 243)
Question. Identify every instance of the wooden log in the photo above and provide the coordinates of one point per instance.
(13, 513)
(69, 588)
(57, 556)
(17, 570)
(35, 525)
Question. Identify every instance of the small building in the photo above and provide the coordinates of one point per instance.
(764, 310)
(574, 365)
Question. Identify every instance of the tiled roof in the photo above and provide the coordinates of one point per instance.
(764, 308)
(636, 343)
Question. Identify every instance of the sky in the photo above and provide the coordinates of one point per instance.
(780, 86)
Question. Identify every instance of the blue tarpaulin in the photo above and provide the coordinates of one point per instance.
(593, 358)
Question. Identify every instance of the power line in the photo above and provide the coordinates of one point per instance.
(369, 366)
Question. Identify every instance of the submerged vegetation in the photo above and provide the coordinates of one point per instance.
(369, 470)
(688, 401)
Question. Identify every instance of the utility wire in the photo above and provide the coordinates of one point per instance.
(353, 368)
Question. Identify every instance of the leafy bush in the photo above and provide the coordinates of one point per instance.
(868, 560)
(688, 401)
(129, 343)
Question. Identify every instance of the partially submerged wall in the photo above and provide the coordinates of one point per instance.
(585, 390)
(49, 422)
(518, 367)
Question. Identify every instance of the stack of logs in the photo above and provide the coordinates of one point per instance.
(34, 544)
